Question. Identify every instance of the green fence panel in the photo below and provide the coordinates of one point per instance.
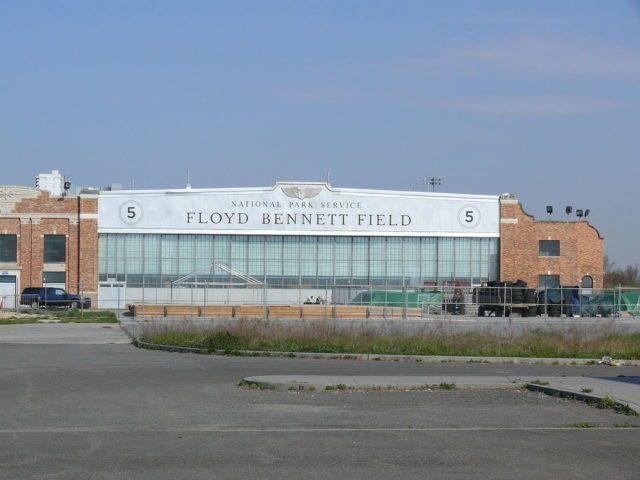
(381, 298)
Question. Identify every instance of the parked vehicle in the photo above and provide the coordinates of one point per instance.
(53, 297)
(503, 298)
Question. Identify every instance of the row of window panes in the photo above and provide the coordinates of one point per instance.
(55, 248)
(293, 257)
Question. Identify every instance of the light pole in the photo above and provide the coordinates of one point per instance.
(431, 183)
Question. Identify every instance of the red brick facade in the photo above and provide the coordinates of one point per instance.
(581, 248)
(30, 214)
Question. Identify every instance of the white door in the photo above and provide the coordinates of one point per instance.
(8, 291)
(112, 295)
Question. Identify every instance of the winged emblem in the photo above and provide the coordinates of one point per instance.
(301, 192)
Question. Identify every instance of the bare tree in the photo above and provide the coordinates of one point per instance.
(628, 276)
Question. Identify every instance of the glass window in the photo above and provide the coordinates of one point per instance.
(54, 277)
(549, 248)
(255, 256)
(378, 259)
(8, 248)
(462, 256)
(342, 251)
(549, 281)
(308, 258)
(157, 259)
(429, 257)
(325, 258)
(446, 259)
(360, 269)
(151, 246)
(55, 248)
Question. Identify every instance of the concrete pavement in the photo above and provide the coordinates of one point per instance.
(63, 334)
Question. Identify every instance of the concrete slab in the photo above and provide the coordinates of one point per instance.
(622, 389)
(378, 382)
(63, 334)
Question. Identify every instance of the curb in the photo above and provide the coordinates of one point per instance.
(583, 397)
(386, 358)
(168, 348)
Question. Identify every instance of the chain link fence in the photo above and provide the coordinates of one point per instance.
(373, 301)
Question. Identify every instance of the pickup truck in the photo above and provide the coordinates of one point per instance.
(53, 297)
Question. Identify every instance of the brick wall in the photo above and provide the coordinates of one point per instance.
(31, 214)
(581, 248)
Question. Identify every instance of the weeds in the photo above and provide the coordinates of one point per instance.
(582, 425)
(254, 386)
(334, 338)
(610, 403)
(446, 386)
(63, 316)
(586, 390)
(539, 382)
(17, 320)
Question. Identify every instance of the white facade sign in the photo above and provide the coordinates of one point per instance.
(309, 208)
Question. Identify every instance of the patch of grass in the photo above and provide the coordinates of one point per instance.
(539, 382)
(582, 425)
(586, 390)
(341, 386)
(17, 320)
(62, 316)
(85, 316)
(254, 386)
(329, 388)
(610, 403)
(624, 425)
(446, 386)
(337, 339)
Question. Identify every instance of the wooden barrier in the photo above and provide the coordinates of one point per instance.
(317, 311)
(217, 311)
(275, 311)
(350, 311)
(394, 313)
(145, 310)
(284, 311)
(182, 311)
(400, 312)
(377, 312)
(249, 311)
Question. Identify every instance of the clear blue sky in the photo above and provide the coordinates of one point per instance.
(541, 99)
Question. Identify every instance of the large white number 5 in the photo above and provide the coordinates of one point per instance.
(468, 216)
